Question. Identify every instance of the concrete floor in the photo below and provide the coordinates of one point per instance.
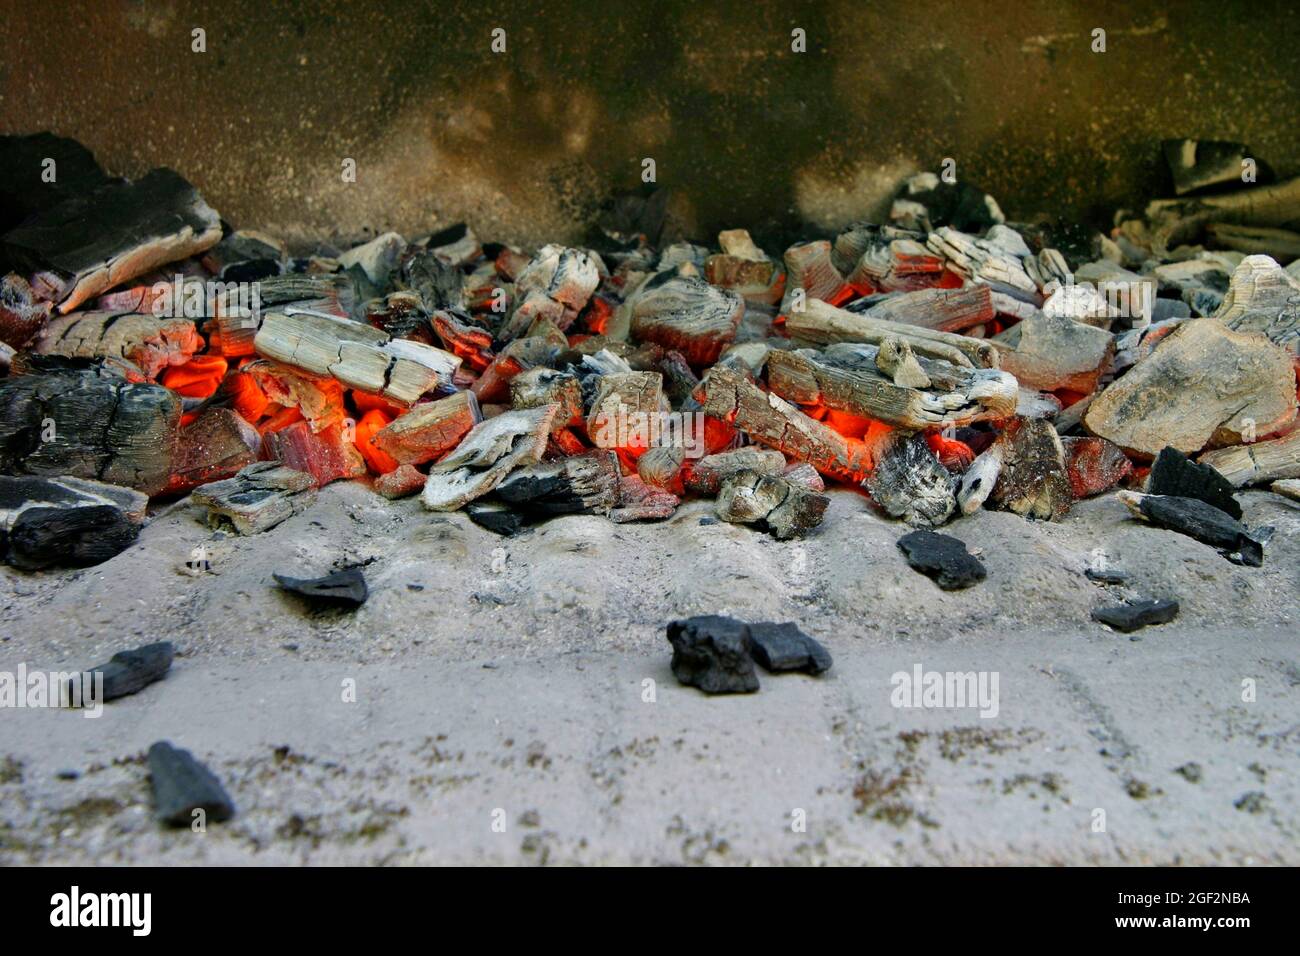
(518, 696)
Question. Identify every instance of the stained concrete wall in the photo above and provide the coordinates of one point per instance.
(525, 143)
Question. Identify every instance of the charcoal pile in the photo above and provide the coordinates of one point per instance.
(940, 362)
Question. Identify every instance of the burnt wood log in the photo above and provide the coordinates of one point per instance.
(17, 494)
(78, 537)
(687, 315)
(92, 242)
(580, 484)
(439, 284)
(258, 498)
(823, 324)
(847, 377)
(70, 417)
(429, 430)
(781, 507)
(546, 386)
(908, 482)
(490, 451)
(1034, 482)
(979, 480)
(1204, 522)
(1173, 221)
(772, 421)
(318, 397)
(1257, 462)
(811, 271)
(236, 325)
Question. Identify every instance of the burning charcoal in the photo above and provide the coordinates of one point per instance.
(77, 537)
(568, 276)
(1263, 298)
(319, 398)
(19, 494)
(22, 317)
(712, 653)
(743, 268)
(470, 342)
(1204, 522)
(89, 243)
(773, 421)
(979, 480)
(1034, 482)
(1094, 465)
(129, 672)
(945, 310)
(1175, 474)
(709, 472)
(812, 271)
(346, 587)
(104, 427)
(804, 475)
(943, 558)
(1196, 164)
(546, 386)
(581, 484)
(985, 261)
(781, 507)
(1132, 295)
(909, 483)
(216, 445)
(496, 517)
(823, 324)
(1053, 352)
(182, 787)
(402, 315)
(401, 482)
(638, 501)
(626, 407)
(1134, 617)
(662, 466)
(237, 326)
(326, 454)
(490, 451)
(686, 314)
(358, 355)
(258, 498)
(429, 430)
(1200, 387)
(783, 647)
(1257, 462)
(847, 377)
(376, 258)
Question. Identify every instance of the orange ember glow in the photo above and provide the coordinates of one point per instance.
(197, 378)
(378, 460)
(952, 454)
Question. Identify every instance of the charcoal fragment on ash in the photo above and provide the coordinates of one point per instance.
(41, 538)
(182, 787)
(1175, 474)
(496, 517)
(1204, 522)
(943, 558)
(346, 587)
(712, 653)
(128, 672)
(784, 647)
(1135, 616)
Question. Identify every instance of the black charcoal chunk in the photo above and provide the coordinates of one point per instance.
(1106, 575)
(346, 587)
(182, 785)
(943, 558)
(130, 671)
(43, 538)
(1173, 473)
(497, 518)
(1134, 617)
(712, 653)
(783, 647)
(1207, 524)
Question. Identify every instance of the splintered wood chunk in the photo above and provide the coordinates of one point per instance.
(710, 471)
(847, 377)
(1034, 482)
(1257, 462)
(358, 355)
(490, 451)
(216, 445)
(638, 501)
(88, 422)
(581, 484)
(772, 421)
(237, 323)
(1202, 521)
(72, 537)
(1054, 352)
(1094, 465)
(1263, 298)
(546, 386)
(686, 314)
(327, 455)
(823, 324)
(908, 482)
(625, 411)
(781, 507)
(184, 789)
(22, 316)
(1173, 473)
(429, 430)
(945, 310)
(258, 498)
(568, 276)
(1203, 385)
(401, 482)
(17, 494)
(91, 242)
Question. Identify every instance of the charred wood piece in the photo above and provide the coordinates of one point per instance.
(258, 498)
(943, 558)
(687, 315)
(17, 494)
(779, 648)
(781, 507)
(713, 653)
(1134, 617)
(1204, 522)
(77, 537)
(1034, 482)
(489, 452)
(346, 587)
(580, 484)
(184, 790)
(908, 482)
(429, 430)
(1173, 473)
(1257, 462)
(823, 324)
(129, 672)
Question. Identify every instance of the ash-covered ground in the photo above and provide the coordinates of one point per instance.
(504, 713)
